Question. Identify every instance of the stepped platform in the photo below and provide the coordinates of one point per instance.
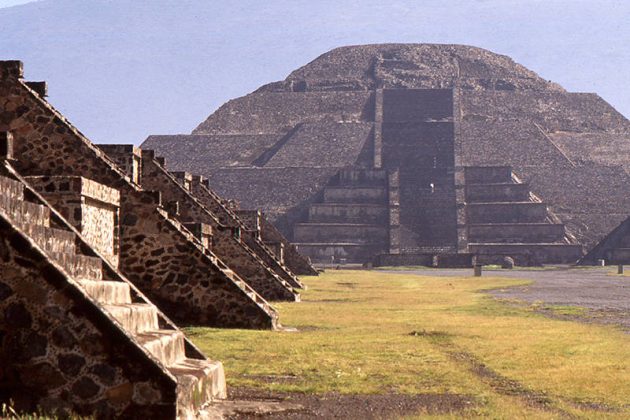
(339, 232)
(156, 252)
(176, 189)
(505, 191)
(506, 212)
(504, 220)
(614, 248)
(71, 297)
(360, 177)
(516, 232)
(355, 194)
(352, 222)
(487, 174)
(347, 213)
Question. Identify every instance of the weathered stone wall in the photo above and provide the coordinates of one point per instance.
(126, 157)
(502, 114)
(599, 148)
(226, 240)
(411, 66)
(385, 260)
(228, 217)
(266, 113)
(339, 233)
(326, 144)
(203, 153)
(404, 105)
(591, 199)
(183, 278)
(554, 111)
(100, 227)
(60, 353)
(92, 208)
(47, 144)
(274, 190)
(251, 220)
(219, 207)
(296, 262)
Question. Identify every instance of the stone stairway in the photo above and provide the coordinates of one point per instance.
(200, 189)
(505, 219)
(198, 380)
(182, 206)
(351, 222)
(614, 248)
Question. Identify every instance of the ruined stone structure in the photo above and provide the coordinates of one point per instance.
(614, 248)
(370, 149)
(258, 228)
(182, 205)
(87, 251)
(157, 252)
(77, 336)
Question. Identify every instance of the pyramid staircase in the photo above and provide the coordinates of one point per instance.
(200, 188)
(198, 380)
(614, 248)
(229, 247)
(505, 219)
(351, 222)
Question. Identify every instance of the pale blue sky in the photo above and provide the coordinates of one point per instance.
(123, 69)
(9, 3)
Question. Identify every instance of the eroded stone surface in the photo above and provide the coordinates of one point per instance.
(426, 111)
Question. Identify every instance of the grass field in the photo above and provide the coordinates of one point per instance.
(363, 332)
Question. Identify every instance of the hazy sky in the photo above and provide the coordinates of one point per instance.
(121, 69)
(9, 3)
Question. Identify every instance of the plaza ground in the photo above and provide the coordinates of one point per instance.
(438, 344)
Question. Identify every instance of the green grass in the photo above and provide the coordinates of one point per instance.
(373, 332)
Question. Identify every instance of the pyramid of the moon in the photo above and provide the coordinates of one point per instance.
(416, 148)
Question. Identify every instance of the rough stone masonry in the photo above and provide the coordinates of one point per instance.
(403, 150)
(93, 266)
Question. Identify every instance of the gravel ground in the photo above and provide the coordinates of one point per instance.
(605, 294)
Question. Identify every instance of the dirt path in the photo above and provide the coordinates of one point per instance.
(604, 294)
(248, 403)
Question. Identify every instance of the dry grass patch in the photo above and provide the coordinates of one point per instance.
(409, 334)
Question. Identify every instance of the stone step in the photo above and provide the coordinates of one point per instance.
(165, 345)
(347, 213)
(24, 212)
(246, 288)
(51, 239)
(356, 195)
(135, 317)
(516, 232)
(107, 292)
(339, 232)
(487, 174)
(514, 212)
(199, 381)
(487, 193)
(81, 267)
(11, 188)
(348, 252)
(361, 177)
(527, 253)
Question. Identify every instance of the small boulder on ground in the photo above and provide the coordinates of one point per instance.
(508, 262)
